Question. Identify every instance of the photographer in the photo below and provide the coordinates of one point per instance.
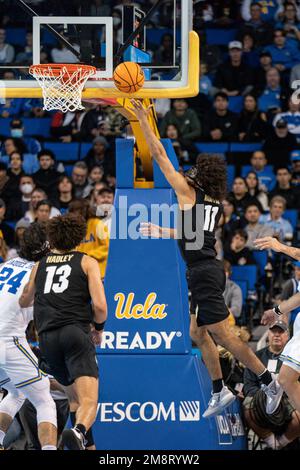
(282, 427)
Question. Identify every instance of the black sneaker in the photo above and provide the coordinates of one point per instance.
(73, 439)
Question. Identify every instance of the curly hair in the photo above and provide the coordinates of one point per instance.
(83, 208)
(65, 232)
(212, 175)
(34, 245)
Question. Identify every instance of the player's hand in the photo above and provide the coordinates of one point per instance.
(268, 243)
(96, 337)
(150, 230)
(140, 111)
(269, 317)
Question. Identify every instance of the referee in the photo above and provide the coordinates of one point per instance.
(69, 313)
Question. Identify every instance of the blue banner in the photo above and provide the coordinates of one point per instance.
(157, 402)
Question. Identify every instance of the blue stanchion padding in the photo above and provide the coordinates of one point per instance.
(244, 147)
(159, 178)
(292, 216)
(245, 273)
(261, 259)
(64, 152)
(146, 292)
(212, 147)
(125, 163)
(156, 402)
(220, 37)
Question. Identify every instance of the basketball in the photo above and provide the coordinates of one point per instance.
(129, 77)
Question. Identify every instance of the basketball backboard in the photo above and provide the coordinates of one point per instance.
(94, 33)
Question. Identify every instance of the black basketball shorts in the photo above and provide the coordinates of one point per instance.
(206, 281)
(69, 354)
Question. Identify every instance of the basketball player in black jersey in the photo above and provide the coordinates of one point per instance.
(69, 313)
(200, 192)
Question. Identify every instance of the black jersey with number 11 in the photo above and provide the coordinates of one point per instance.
(212, 211)
(62, 295)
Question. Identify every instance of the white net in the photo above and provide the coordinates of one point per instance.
(62, 85)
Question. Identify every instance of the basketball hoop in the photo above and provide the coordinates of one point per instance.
(62, 84)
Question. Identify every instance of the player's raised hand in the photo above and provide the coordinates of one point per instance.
(269, 317)
(140, 111)
(268, 243)
(150, 230)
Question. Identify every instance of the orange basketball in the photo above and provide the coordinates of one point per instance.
(129, 77)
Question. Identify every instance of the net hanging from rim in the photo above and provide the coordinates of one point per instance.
(62, 84)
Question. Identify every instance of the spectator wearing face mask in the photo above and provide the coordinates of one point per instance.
(47, 176)
(19, 205)
(17, 131)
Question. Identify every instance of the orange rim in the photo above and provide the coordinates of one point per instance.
(56, 69)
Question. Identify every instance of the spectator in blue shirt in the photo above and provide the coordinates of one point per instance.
(271, 99)
(270, 9)
(257, 26)
(265, 175)
(284, 56)
(291, 117)
(17, 132)
(10, 107)
(282, 227)
(290, 23)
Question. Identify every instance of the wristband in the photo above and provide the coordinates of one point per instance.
(277, 310)
(99, 326)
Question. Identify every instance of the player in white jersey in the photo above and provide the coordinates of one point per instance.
(19, 371)
(290, 370)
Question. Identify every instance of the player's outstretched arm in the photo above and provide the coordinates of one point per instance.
(27, 297)
(285, 307)
(92, 270)
(147, 229)
(271, 243)
(176, 180)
